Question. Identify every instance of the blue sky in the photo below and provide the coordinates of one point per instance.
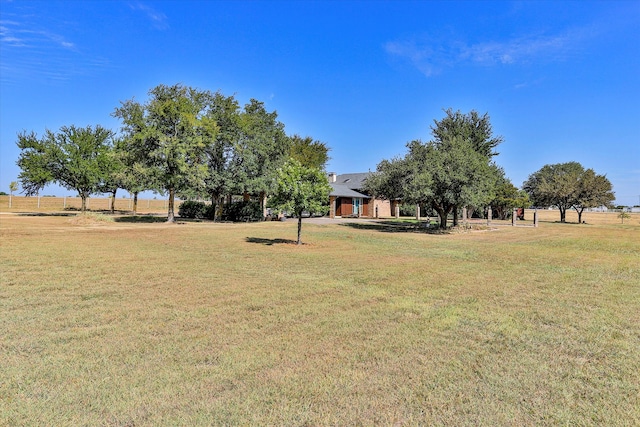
(560, 80)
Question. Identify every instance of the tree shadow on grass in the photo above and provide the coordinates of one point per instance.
(395, 227)
(47, 214)
(270, 242)
(145, 219)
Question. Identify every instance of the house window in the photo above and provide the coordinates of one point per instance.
(356, 205)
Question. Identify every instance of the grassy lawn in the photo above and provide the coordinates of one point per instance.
(130, 323)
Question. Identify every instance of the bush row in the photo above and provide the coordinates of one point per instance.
(244, 211)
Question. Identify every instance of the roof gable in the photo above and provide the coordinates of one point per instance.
(354, 181)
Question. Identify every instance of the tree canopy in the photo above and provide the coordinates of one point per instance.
(568, 185)
(262, 148)
(76, 158)
(221, 149)
(471, 127)
(170, 130)
(451, 171)
(309, 152)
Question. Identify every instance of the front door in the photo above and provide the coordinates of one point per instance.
(365, 207)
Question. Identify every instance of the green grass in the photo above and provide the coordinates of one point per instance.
(123, 324)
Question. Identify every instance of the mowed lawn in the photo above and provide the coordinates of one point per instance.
(147, 324)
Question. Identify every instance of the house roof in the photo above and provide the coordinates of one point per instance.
(349, 185)
(340, 190)
(354, 181)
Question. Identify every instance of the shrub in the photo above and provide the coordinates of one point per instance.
(245, 211)
(208, 211)
(407, 210)
(192, 209)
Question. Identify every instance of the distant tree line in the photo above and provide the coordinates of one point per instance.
(182, 142)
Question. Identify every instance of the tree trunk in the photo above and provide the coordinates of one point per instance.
(442, 214)
(113, 200)
(83, 207)
(299, 228)
(263, 204)
(214, 204)
(455, 216)
(470, 211)
(171, 214)
(563, 214)
(135, 202)
(580, 215)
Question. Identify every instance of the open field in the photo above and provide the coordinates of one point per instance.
(56, 204)
(143, 323)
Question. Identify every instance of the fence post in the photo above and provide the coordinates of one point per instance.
(535, 218)
(514, 216)
(489, 215)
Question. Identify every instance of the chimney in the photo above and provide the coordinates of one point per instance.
(332, 177)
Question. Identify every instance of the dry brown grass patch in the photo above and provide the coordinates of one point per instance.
(230, 324)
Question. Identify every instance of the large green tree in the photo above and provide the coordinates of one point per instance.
(261, 149)
(472, 126)
(220, 148)
(300, 189)
(460, 176)
(455, 169)
(170, 129)
(440, 175)
(593, 190)
(76, 158)
(568, 185)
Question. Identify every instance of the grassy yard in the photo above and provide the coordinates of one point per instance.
(143, 324)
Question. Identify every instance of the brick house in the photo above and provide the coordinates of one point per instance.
(348, 198)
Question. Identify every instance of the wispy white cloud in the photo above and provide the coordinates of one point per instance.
(14, 34)
(158, 19)
(31, 51)
(432, 56)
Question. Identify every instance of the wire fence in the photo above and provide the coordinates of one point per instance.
(53, 204)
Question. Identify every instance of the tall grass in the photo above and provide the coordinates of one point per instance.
(223, 324)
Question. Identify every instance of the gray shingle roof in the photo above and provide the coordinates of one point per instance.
(344, 191)
(354, 181)
(349, 185)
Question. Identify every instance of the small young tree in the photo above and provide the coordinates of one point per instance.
(623, 215)
(300, 189)
(13, 186)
